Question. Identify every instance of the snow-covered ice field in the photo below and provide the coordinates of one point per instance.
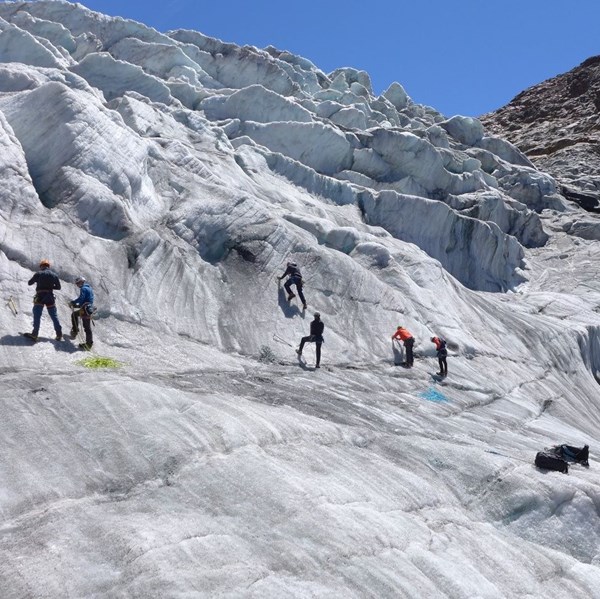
(179, 174)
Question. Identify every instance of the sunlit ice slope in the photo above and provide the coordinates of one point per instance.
(179, 174)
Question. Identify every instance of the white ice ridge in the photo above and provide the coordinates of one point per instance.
(179, 174)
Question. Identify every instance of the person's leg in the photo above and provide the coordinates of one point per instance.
(409, 351)
(318, 351)
(288, 287)
(300, 294)
(445, 369)
(87, 327)
(302, 342)
(441, 364)
(74, 323)
(54, 316)
(37, 317)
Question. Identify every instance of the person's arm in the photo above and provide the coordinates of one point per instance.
(285, 274)
(32, 280)
(76, 303)
(56, 283)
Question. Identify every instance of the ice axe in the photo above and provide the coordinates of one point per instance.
(11, 304)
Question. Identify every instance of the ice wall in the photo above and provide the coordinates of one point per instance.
(277, 104)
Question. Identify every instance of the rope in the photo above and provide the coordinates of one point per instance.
(281, 340)
(80, 336)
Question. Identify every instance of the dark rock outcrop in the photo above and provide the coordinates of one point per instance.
(557, 125)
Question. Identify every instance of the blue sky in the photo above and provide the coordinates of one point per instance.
(461, 57)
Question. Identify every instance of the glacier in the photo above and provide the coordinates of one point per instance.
(178, 174)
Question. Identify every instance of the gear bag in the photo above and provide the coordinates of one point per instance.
(548, 460)
(573, 454)
(442, 352)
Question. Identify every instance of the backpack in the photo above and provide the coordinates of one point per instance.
(550, 461)
(442, 352)
(573, 454)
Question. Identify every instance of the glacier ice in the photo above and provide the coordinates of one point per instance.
(178, 174)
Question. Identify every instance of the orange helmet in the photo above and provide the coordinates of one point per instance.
(45, 263)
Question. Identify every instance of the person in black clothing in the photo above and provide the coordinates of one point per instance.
(46, 281)
(295, 278)
(316, 337)
(442, 354)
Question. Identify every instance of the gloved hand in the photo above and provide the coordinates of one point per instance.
(71, 305)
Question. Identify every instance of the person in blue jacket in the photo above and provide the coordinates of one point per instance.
(84, 308)
(46, 281)
(295, 278)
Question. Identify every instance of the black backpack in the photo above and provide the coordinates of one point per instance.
(443, 351)
(550, 461)
(573, 454)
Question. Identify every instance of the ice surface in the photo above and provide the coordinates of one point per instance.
(466, 130)
(255, 103)
(179, 174)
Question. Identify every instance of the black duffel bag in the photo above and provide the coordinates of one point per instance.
(550, 461)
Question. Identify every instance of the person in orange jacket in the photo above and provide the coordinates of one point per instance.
(442, 354)
(406, 337)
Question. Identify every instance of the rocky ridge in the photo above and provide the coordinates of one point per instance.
(557, 125)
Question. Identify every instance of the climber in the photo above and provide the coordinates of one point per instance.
(442, 354)
(84, 308)
(46, 282)
(316, 337)
(403, 335)
(295, 278)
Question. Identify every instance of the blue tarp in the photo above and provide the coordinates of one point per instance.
(433, 395)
